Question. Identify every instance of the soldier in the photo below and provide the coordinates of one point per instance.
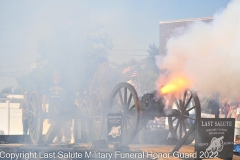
(104, 80)
(24, 105)
(60, 102)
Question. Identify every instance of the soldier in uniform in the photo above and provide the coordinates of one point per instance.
(61, 102)
(104, 80)
(24, 105)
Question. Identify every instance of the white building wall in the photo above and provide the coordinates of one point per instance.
(15, 119)
(11, 119)
(4, 117)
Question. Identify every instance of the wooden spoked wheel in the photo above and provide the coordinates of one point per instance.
(35, 120)
(188, 105)
(124, 99)
(95, 111)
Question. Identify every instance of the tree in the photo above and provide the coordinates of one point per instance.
(75, 59)
(146, 68)
(149, 70)
(36, 79)
(153, 51)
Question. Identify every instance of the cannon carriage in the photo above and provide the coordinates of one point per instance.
(136, 113)
(62, 110)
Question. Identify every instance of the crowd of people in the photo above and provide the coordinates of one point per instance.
(231, 109)
(228, 108)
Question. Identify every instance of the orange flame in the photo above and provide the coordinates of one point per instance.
(178, 83)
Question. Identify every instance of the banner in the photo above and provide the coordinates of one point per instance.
(215, 137)
(115, 127)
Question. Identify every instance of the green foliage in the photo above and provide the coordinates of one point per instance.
(149, 70)
(73, 46)
(147, 79)
(74, 52)
(77, 68)
(150, 60)
(36, 79)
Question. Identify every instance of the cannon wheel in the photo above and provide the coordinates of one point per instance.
(35, 118)
(185, 103)
(124, 99)
(95, 111)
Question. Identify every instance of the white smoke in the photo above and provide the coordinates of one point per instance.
(209, 53)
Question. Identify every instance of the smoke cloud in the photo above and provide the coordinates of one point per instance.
(208, 53)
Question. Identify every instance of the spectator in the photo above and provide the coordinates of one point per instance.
(225, 107)
(234, 111)
(213, 104)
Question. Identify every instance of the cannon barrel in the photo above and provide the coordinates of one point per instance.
(153, 105)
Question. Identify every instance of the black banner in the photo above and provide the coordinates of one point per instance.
(215, 137)
(114, 128)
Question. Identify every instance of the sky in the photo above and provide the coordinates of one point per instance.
(131, 25)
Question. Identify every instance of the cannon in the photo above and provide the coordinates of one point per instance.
(61, 110)
(138, 111)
